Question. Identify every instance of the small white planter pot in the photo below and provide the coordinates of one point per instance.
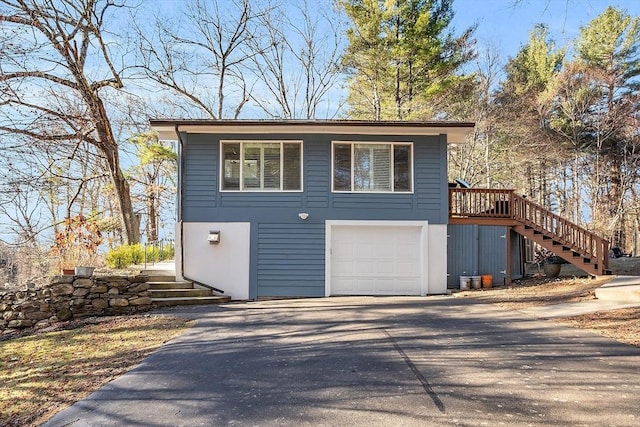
(84, 271)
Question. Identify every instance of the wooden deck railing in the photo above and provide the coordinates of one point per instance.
(505, 204)
(480, 203)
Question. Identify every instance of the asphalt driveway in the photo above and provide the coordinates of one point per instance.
(372, 361)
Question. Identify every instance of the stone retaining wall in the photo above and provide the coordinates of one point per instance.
(69, 297)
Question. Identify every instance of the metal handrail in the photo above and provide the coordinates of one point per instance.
(149, 252)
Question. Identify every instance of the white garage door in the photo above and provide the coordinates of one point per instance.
(376, 260)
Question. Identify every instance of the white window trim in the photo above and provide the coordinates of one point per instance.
(260, 141)
(353, 143)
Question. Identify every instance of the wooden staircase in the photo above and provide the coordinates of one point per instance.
(573, 243)
(165, 290)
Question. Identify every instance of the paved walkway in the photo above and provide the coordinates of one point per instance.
(577, 308)
(432, 361)
(620, 292)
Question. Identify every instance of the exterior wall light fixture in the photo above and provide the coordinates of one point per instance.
(214, 237)
(303, 215)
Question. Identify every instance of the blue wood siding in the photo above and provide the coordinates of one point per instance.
(259, 200)
(200, 173)
(317, 173)
(430, 174)
(293, 264)
(290, 259)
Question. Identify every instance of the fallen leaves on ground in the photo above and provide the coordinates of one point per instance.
(538, 292)
(622, 325)
(41, 374)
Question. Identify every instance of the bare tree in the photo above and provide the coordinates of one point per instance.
(302, 65)
(221, 56)
(22, 214)
(208, 48)
(55, 69)
(476, 160)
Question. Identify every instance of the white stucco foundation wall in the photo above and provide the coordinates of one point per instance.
(224, 265)
(437, 259)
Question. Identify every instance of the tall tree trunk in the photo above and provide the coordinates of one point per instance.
(152, 226)
(109, 147)
(398, 95)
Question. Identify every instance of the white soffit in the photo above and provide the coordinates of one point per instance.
(456, 132)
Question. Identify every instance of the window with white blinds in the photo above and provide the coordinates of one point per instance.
(373, 167)
(261, 166)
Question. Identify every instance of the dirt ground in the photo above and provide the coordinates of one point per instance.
(571, 286)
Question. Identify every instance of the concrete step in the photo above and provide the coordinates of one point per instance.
(159, 271)
(170, 285)
(169, 265)
(165, 291)
(161, 278)
(621, 289)
(179, 293)
(164, 302)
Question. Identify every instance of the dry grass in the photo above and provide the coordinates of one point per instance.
(43, 373)
(622, 325)
(538, 292)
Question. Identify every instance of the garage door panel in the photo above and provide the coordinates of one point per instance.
(407, 251)
(385, 285)
(376, 260)
(343, 283)
(407, 285)
(341, 252)
(364, 250)
(361, 267)
(385, 268)
(405, 268)
(385, 251)
(341, 268)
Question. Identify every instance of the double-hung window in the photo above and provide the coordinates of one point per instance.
(261, 165)
(372, 166)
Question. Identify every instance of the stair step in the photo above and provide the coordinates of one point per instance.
(164, 302)
(159, 272)
(170, 285)
(553, 243)
(161, 278)
(179, 293)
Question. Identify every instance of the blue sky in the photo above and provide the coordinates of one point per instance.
(507, 27)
